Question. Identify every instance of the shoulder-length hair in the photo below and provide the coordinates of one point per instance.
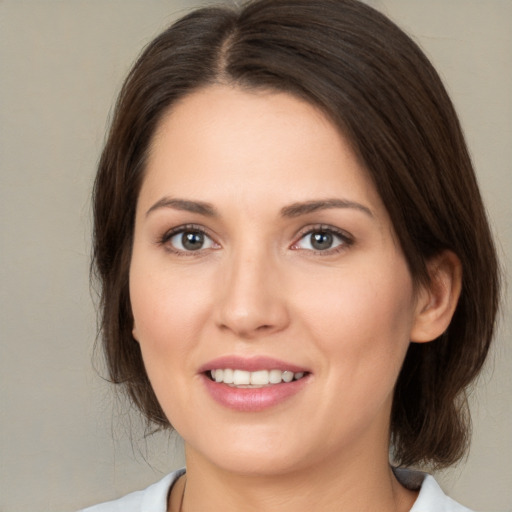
(385, 97)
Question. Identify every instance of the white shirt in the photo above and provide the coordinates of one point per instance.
(154, 499)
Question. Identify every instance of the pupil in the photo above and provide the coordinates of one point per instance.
(321, 240)
(192, 240)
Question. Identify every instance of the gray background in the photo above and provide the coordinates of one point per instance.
(64, 441)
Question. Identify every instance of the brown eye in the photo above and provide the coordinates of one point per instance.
(323, 240)
(190, 240)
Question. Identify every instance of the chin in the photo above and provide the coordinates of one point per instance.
(262, 452)
(257, 464)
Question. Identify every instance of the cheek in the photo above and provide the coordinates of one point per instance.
(167, 321)
(362, 320)
(167, 314)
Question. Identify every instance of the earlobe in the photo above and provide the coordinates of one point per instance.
(438, 299)
(134, 333)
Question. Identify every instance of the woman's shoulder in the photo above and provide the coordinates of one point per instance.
(431, 497)
(153, 498)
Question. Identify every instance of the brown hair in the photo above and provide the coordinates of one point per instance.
(378, 87)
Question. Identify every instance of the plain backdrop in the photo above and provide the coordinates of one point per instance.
(64, 440)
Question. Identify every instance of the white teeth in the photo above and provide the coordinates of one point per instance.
(228, 376)
(254, 379)
(275, 376)
(287, 376)
(241, 378)
(259, 378)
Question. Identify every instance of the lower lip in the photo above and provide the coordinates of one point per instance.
(253, 399)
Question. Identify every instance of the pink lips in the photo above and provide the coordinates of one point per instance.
(250, 364)
(251, 399)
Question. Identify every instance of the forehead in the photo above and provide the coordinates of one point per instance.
(219, 115)
(252, 145)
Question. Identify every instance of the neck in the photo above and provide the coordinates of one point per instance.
(361, 484)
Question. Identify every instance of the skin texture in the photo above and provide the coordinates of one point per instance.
(257, 287)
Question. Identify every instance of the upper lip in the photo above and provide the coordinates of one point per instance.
(250, 364)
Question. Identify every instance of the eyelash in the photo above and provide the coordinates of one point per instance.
(168, 235)
(346, 239)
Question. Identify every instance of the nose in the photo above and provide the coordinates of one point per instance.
(251, 301)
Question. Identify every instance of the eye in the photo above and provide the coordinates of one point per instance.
(188, 240)
(322, 239)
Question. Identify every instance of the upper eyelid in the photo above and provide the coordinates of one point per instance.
(186, 227)
(323, 227)
(347, 239)
(165, 238)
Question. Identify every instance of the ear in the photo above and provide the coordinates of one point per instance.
(134, 333)
(438, 299)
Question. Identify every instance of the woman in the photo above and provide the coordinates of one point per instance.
(297, 272)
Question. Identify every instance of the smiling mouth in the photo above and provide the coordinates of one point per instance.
(257, 379)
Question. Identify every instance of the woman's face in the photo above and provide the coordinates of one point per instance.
(263, 253)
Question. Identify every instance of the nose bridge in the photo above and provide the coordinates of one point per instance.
(251, 301)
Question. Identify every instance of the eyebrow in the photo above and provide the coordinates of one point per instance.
(298, 209)
(199, 207)
(290, 211)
